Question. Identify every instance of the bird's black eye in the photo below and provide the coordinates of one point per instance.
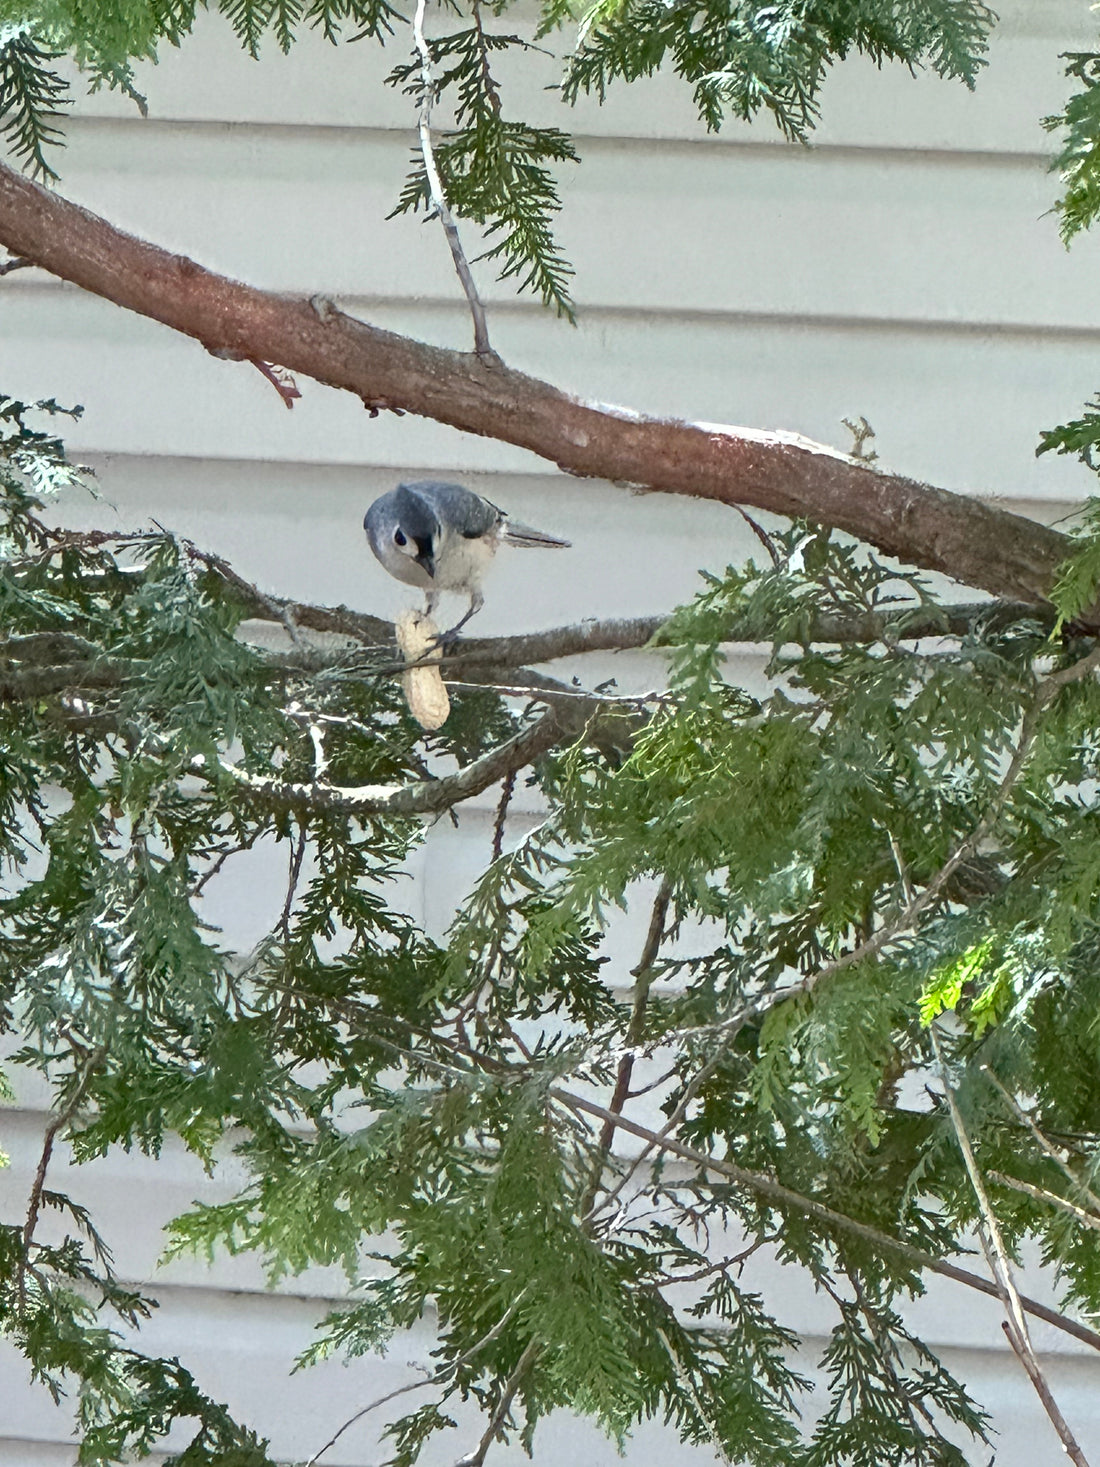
(399, 538)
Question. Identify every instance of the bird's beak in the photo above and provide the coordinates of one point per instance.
(427, 560)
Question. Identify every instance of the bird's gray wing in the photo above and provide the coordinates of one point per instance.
(530, 539)
(461, 510)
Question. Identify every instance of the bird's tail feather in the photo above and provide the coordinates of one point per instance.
(526, 538)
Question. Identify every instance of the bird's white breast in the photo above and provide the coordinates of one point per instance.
(461, 563)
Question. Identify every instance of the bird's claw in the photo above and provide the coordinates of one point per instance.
(444, 641)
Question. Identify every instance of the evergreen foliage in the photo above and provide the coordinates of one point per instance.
(502, 174)
(1078, 164)
(889, 855)
(743, 58)
(1078, 161)
(893, 839)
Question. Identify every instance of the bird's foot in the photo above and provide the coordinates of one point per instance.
(446, 641)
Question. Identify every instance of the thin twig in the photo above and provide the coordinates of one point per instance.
(525, 690)
(1041, 1194)
(643, 979)
(412, 1385)
(723, 1265)
(282, 381)
(476, 1458)
(506, 790)
(758, 1182)
(1042, 1141)
(422, 797)
(34, 1203)
(989, 1231)
(435, 186)
(688, 1385)
(761, 534)
(294, 872)
(765, 1186)
(887, 1351)
(223, 856)
(488, 81)
(440, 1377)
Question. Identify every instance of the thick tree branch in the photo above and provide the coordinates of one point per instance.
(973, 542)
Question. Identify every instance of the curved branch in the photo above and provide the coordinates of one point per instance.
(423, 797)
(964, 538)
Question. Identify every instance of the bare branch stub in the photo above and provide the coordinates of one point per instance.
(283, 383)
(56, 1124)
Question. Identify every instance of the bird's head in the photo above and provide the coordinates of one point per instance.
(402, 526)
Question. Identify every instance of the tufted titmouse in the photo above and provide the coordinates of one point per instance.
(442, 537)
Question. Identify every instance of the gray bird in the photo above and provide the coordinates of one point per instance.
(442, 537)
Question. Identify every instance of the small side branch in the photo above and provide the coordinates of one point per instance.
(1043, 1143)
(422, 797)
(1052, 1199)
(506, 792)
(476, 1458)
(643, 979)
(765, 1186)
(435, 187)
(442, 1376)
(1015, 1322)
(283, 383)
(34, 1203)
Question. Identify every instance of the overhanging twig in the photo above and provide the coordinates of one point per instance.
(436, 190)
(1043, 1143)
(1000, 1267)
(441, 1377)
(422, 797)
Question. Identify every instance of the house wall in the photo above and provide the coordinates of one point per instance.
(905, 269)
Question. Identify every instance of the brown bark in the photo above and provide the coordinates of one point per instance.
(964, 538)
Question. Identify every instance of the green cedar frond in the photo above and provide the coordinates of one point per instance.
(379, 1084)
(1078, 161)
(367, 18)
(252, 19)
(174, 18)
(743, 58)
(32, 96)
(1080, 436)
(1079, 577)
(494, 171)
